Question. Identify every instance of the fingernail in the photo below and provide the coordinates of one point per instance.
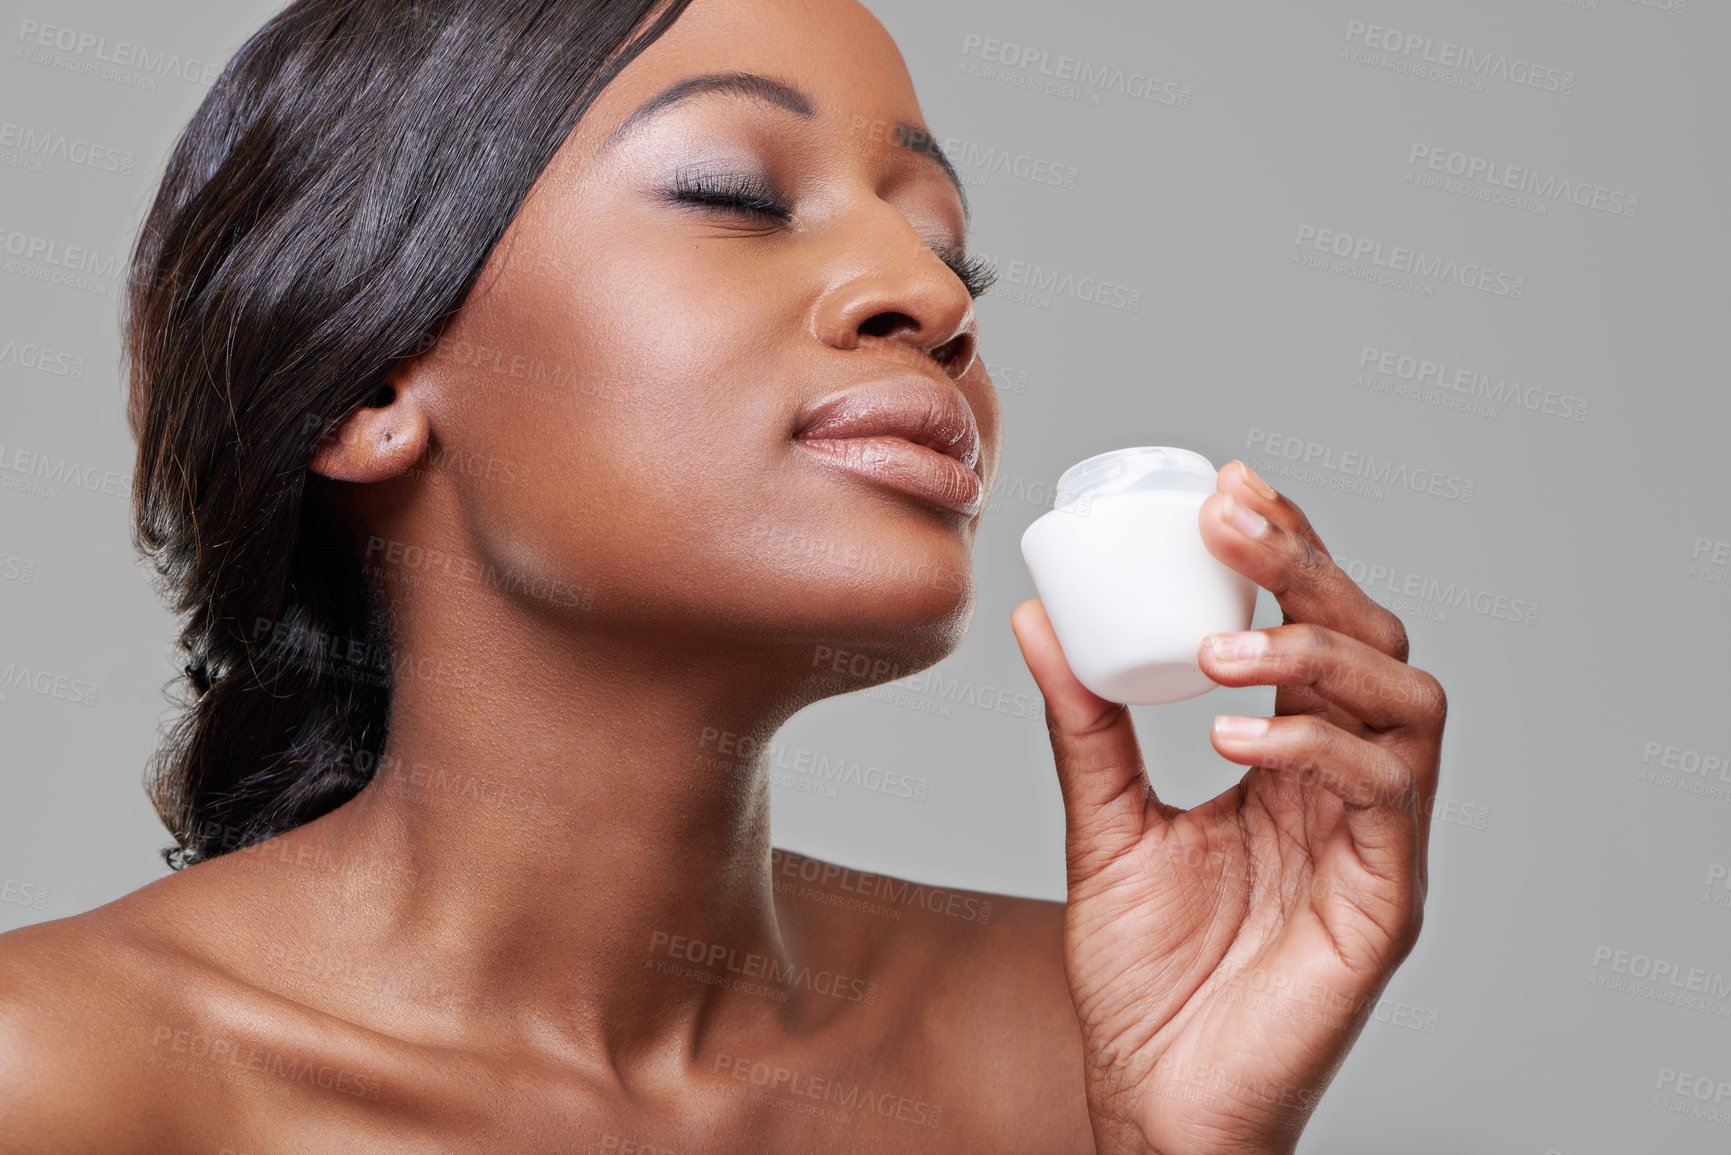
(1239, 647)
(1233, 726)
(1242, 518)
(1257, 486)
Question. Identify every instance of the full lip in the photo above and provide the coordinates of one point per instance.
(887, 429)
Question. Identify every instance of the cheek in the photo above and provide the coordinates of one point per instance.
(691, 402)
(645, 423)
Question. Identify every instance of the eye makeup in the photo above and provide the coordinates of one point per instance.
(757, 198)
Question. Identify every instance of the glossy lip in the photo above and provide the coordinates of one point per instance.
(908, 433)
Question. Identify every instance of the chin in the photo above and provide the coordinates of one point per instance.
(884, 633)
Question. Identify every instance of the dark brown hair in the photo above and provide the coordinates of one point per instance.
(323, 215)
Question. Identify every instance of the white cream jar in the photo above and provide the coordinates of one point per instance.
(1128, 584)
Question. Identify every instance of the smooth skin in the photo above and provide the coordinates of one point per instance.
(491, 948)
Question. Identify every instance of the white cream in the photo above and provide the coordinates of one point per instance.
(1128, 584)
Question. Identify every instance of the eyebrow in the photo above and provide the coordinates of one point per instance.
(754, 86)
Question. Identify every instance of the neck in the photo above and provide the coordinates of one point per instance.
(578, 827)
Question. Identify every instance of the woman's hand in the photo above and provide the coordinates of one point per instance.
(1223, 959)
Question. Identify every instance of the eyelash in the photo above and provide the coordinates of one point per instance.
(750, 195)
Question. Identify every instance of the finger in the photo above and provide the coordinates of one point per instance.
(1288, 559)
(1398, 706)
(1107, 797)
(1384, 693)
(1320, 755)
(1376, 787)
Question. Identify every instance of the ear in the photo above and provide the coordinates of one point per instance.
(378, 441)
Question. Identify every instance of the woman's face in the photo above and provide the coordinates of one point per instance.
(619, 403)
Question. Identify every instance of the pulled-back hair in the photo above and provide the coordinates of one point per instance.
(321, 218)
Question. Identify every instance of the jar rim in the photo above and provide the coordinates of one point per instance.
(1138, 468)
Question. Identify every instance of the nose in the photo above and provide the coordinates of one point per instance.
(902, 297)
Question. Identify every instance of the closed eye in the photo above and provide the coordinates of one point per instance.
(739, 192)
(749, 195)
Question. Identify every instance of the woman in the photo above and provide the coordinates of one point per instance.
(529, 395)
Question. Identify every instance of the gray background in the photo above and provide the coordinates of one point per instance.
(1560, 837)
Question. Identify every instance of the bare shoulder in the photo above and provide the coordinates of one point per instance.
(147, 1025)
(973, 983)
(113, 1022)
(80, 998)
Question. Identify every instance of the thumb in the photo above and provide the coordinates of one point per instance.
(1100, 774)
